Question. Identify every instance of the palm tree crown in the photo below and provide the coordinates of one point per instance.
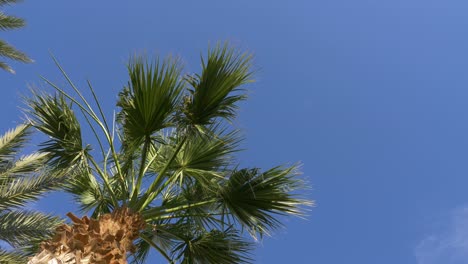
(168, 157)
(21, 181)
(6, 50)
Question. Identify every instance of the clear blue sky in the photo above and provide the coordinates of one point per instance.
(371, 96)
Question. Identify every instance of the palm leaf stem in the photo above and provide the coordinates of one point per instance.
(106, 181)
(187, 215)
(151, 190)
(96, 136)
(136, 188)
(93, 115)
(154, 212)
(104, 126)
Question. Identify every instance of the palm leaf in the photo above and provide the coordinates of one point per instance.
(6, 67)
(53, 116)
(19, 228)
(213, 94)
(147, 104)
(8, 2)
(215, 246)
(12, 257)
(10, 22)
(88, 192)
(22, 190)
(12, 141)
(24, 165)
(142, 249)
(253, 198)
(10, 52)
(201, 158)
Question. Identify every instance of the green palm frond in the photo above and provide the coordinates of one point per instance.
(10, 22)
(253, 198)
(6, 50)
(23, 166)
(4, 66)
(19, 228)
(142, 249)
(215, 246)
(10, 257)
(201, 158)
(89, 194)
(213, 94)
(154, 236)
(10, 52)
(53, 116)
(19, 185)
(8, 2)
(23, 190)
(12, 141)
(149, 101)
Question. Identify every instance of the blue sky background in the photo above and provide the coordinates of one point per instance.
(371, 96)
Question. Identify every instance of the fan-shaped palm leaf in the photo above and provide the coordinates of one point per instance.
(149, 101)
(215, 246)
(213, 92)
(253, 197)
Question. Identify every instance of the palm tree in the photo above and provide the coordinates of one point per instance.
(21, 181)
(6, 50)
(164, 175)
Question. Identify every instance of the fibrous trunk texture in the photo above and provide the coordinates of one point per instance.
(88, 241)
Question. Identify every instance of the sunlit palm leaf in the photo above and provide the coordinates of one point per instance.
(253, 198)
(88, 192)
(23, 166)
(23, 190)
(12, 141)
(18, 186)
(19, 228)
(12, 257)
(215, 92)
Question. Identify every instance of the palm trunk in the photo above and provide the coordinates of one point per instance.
(88, 241)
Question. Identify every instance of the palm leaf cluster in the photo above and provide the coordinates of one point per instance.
(169, 155)
(7, 51)
(22, 180)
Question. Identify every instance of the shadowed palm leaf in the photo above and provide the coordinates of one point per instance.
(55, 118)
